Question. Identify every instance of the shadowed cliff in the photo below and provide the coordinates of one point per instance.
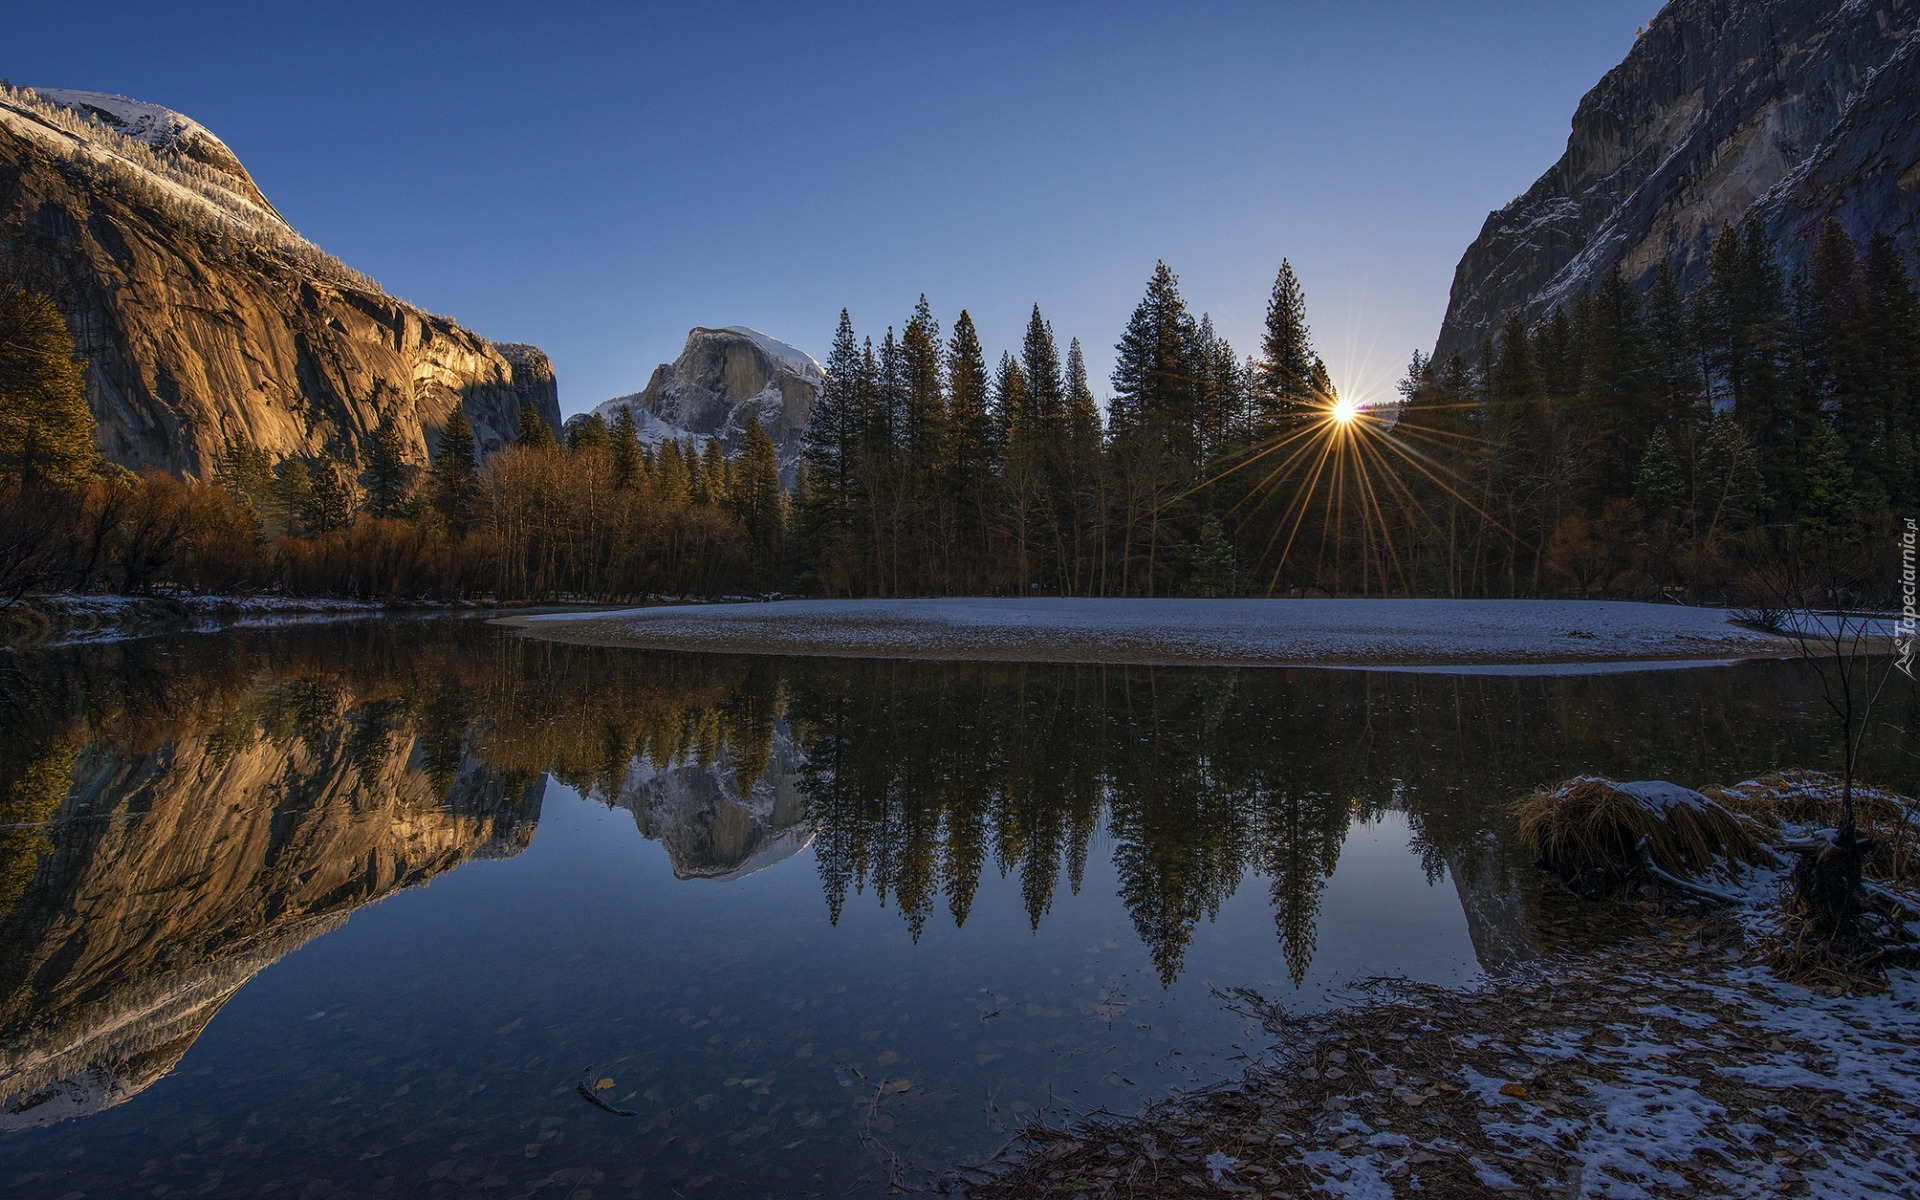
(1792, 111)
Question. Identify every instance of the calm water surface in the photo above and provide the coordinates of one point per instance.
(360, 908)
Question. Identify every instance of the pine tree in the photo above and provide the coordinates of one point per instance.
(925, 543)
(924, 384)
(46, 428)
(1223, 393)
(1040, 364)
(968, 457)
(588, 433)
(1618, 410)
(386, 475)
(327, 506)
(716, 473)
(1216, 569)
(1155, 443)
(1727, 483)
(1012, 402)
(697, 493)
(1828, 498)
(1660, 487)
(1673, 358)
(672, 481)
(533, 432)
(246, 474)
(1083, 411)
(455, 478)
(294, 496)
(1890, 364)
(754, 497)
(1154, 375)
(1283, 393)
(835, 426)
(626, 449)
(889, 395)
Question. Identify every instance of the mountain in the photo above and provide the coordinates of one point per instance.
(1789, 110)
(178, 874)
(205, 319)
(722, 379)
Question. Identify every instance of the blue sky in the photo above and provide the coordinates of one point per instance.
(597, 179)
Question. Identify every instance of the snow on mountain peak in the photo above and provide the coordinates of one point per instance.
(787, 355)
(161, 128)
(170, 134)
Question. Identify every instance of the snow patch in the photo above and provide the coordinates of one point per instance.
(789, 356)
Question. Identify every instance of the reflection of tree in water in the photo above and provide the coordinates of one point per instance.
(915, 773)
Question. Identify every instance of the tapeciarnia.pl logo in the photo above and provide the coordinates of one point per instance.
(1903, 631)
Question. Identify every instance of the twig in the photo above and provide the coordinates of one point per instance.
(1684, 885)
(1891, 896)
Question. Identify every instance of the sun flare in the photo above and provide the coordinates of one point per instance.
(1344, 411)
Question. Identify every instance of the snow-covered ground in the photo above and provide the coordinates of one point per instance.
(1507, 635)
(1671, 1063)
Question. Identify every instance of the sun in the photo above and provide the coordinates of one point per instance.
(1344, 411)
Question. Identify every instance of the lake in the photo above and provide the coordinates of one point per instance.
(427, 907)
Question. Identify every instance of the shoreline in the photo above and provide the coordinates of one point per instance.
(1485, 636)
(1669, 1063)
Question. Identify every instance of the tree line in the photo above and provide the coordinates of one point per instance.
(601, 515)
(1624, 444)
(1678, 442)
(929, 471)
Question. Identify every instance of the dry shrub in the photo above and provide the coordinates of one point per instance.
(1589, 830)
(1812, 799)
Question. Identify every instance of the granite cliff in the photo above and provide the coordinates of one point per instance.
(1791, 111)
(205, 319)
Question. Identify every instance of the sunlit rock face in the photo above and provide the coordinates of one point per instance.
(723, 379)
(205, 320)
(176, 875)
(1794, 110)
(725, 818)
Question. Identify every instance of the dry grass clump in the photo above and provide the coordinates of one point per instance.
(1811, 799)
(1590, 830)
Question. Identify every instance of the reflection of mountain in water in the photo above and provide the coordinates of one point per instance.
(173, 876)
(720, 818)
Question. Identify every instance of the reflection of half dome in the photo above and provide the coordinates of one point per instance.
(710, 826)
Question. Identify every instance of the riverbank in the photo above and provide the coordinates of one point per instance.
(70, 619)
(1668, 1065)
(1510, 635)
(1669, 1060)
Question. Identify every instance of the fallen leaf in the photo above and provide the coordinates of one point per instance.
(604, 1083)
(1514, 1090)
